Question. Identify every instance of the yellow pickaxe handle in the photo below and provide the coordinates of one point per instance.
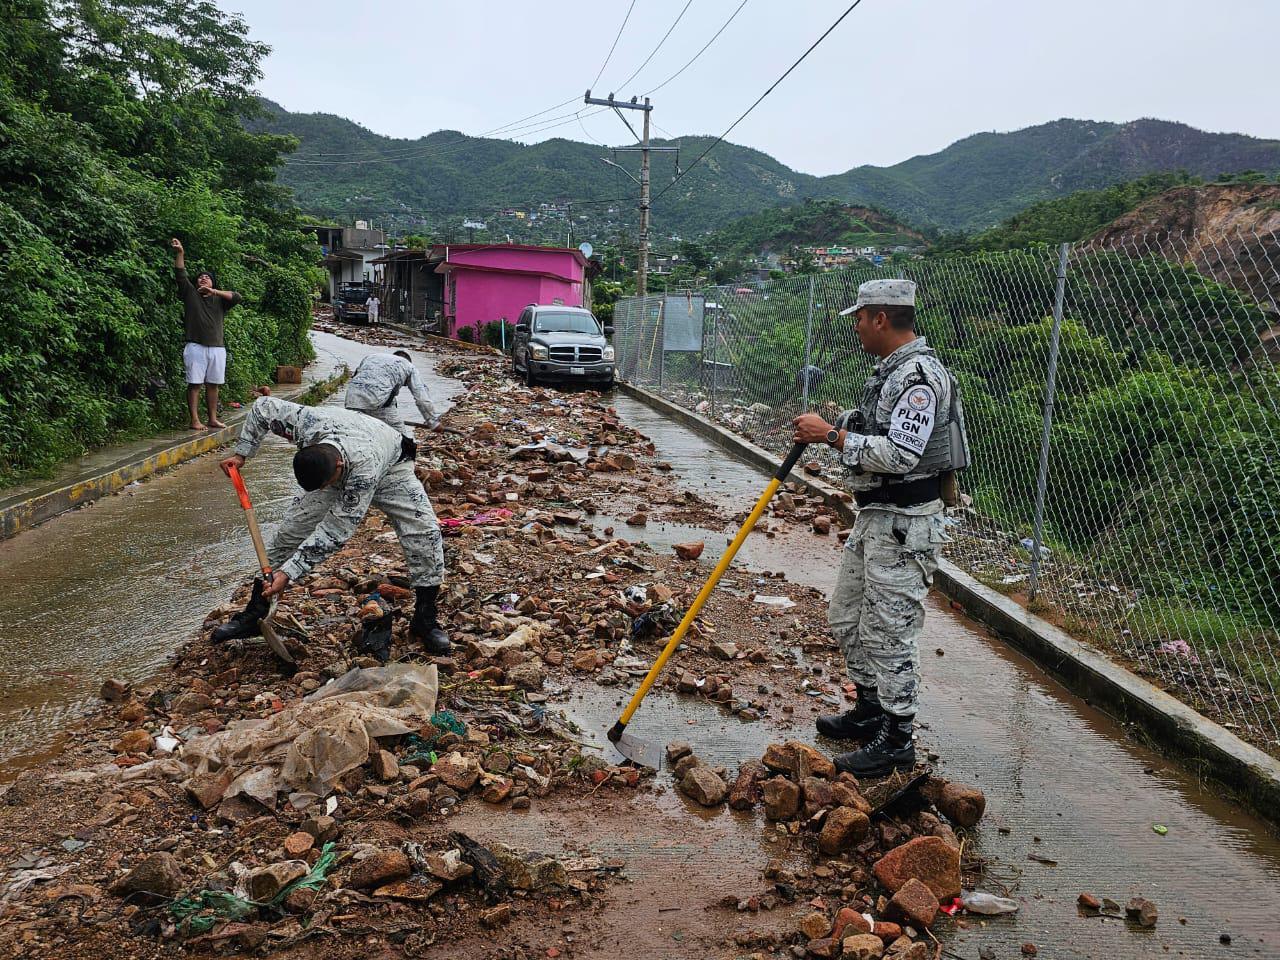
(615, 732)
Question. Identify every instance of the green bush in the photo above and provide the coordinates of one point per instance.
(110, 144)
(494, 335)
(467, 334)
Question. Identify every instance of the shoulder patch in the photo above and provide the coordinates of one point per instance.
(911, 423)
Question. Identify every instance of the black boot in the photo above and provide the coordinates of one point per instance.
(861, 723)
(425, 626)
(891, 749)
(245, 623)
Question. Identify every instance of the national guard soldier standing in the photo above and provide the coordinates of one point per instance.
(346, 462)
(900, 449)
(375, 387)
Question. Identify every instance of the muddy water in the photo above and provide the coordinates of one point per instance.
(112, 589)
(1063, 782)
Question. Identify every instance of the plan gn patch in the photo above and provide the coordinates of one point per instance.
(912, 422)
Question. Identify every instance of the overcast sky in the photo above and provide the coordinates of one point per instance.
(897, 78)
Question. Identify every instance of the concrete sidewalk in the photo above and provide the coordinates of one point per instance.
(107, 470)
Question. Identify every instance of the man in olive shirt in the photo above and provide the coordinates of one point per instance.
(205, 355)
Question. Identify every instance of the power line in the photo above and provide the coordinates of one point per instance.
(700, 52)
(655, 50)
(826, 33)
(609, 56)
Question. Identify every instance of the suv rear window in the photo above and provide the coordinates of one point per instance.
(567, 322)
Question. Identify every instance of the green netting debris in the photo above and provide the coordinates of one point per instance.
(202, 911)
(419, 750)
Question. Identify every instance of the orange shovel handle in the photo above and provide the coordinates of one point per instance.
(241, 492)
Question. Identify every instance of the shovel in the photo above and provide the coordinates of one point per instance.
(642, 752)
(265, 625)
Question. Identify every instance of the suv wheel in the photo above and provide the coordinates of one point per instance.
(529, 379)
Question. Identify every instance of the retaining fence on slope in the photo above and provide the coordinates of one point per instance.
(1123, 406)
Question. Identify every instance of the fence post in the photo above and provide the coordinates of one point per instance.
(715, 372)
(1042, 475)
(808, 342)
(662, 346)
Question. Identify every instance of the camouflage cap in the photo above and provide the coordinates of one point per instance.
(883, 293)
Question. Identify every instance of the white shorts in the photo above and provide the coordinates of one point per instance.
(205, 364)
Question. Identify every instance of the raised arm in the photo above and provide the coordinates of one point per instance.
(179, 255)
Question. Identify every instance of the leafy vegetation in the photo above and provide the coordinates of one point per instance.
(121, 125)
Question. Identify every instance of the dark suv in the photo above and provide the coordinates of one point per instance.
(349, 303)
(561, 343)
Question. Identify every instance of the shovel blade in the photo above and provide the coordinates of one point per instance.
(272, 636)
(643, 753)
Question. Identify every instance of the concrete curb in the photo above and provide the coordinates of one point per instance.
(28, 513)
(1253, 776)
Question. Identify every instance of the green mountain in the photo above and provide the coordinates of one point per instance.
(971, 185)
(810, 223)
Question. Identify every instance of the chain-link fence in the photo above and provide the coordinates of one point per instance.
(1123, 407)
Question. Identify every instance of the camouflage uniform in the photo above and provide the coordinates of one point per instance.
(375, 473)
(877, 607)
(376, 385)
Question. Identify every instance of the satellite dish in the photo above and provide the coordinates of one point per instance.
(586, 250)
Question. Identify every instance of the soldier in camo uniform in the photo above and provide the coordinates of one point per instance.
(376, 386)
(346, 463)
(896, 448)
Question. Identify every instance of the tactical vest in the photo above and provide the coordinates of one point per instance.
(948, 446)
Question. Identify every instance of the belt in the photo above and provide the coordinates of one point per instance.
(909, 494)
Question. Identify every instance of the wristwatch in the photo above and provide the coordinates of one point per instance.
(833, 437)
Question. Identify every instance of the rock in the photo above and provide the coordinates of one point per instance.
(135, 741)
(496, 791)
(814, 925)
(688, 683)
(844, 827)
(703, 786)
(456, 771)
(207, 790)
(530, 871)
(928, 859)
(724, 650)
(850, 922)
(1142, 912)
(962, 805)
(827, 948)
(637, 520)
(296, 844)
(154, 880)
(527, 676)
(113, 690)
(799, 759)
(863, 946)
(746, 791)
(915, 903)
(1029, 950)
(448, 866)
(1088, 901)
(587, 660)
(822, 525)
(189, 703)
(683, 766)
(132, 712)
(416, 804)
(378, 868)
(385, 766)
(496, 916)
(266, 882)
(781, 800)
(886, 931)
(677, 749)
(688, 551)
(323, 828)
(911, 951)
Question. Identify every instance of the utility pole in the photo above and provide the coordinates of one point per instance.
(642, 269)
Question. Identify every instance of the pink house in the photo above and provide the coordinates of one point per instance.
(485, 282)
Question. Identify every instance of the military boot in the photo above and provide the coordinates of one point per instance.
(425, 626)
(245, 623)
(861, 723)
(891, 749)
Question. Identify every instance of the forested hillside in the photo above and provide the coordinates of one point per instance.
(121, 125)
(342, 169)
(780, 229)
